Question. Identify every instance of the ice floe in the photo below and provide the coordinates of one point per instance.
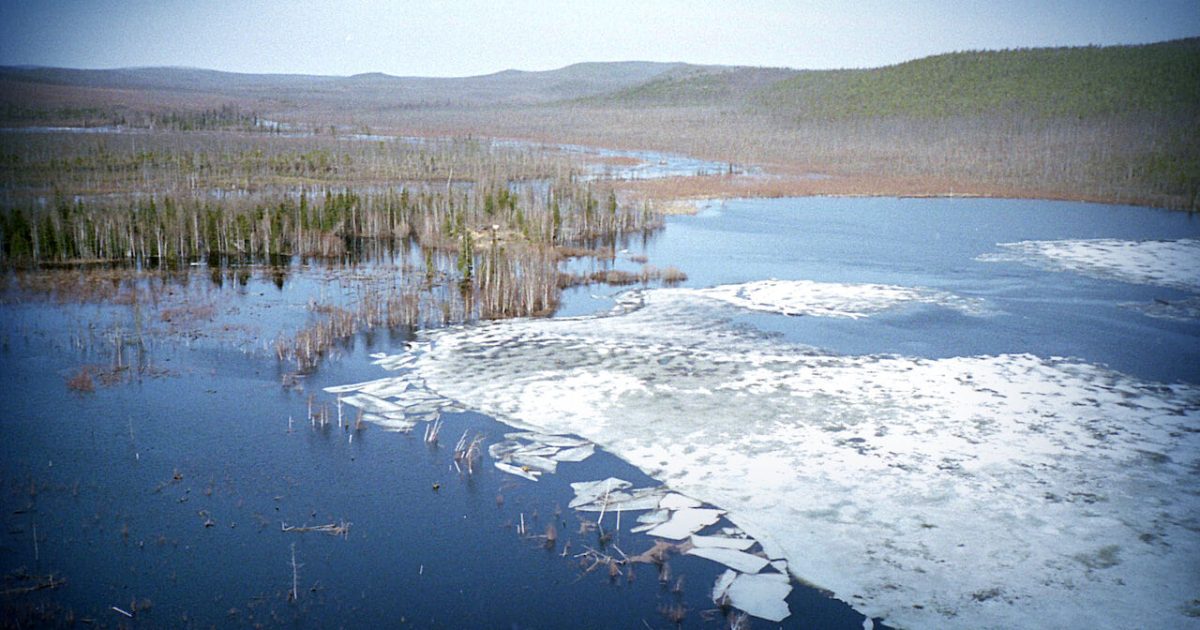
(724, 542)
(722, 585)
(531, 475)
(1008, 490)
(529, 451)
(394, 403)
(831, 299)
(675, 501)
(678, 517)
(1171, 263)
(762, 595)
(732, 558)
(613, 494)
(685, 522)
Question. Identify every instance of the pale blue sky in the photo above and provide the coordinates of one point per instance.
(435, 38)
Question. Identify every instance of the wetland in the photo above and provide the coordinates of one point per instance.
(312, 356)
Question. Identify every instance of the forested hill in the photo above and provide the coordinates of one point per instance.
(1082, 82)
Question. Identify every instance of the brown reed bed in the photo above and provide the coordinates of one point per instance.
(488, 225)
(668, 276)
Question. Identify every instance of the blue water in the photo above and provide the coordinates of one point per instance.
(934, 243)
(167, 493)
(92, 477)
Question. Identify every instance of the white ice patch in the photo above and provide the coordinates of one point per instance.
(724, 542)
(1174, 264)
(830, 299)
(732, 558)
(530, 451)
(761, 595)
(685, 522)
(997, 491)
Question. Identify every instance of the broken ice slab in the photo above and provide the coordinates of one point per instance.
(500, 450)
(634, 500)
(354, 387)
(685, 522)
(378, 355)
(590, 491)
(577, 454)
(386, 388)
(762, 595)
(650, 520)
(675, 501)
(367, 402)
(724, 542)
(561, 441)
(780, 565)
(390, 424)
(526, 461)
(420, 409)
(732, 558)
(417, 397)
(538, 451)
(393, 390)
(395, 361)
(721, 586)
(655, 517)
(531, 475)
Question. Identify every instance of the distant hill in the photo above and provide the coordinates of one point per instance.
(1080, 82)
(507, 87)
(1114, 123)
(698, 85)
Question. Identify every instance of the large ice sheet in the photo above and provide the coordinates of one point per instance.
(989, 491)
(1162, 263)
(830, 299)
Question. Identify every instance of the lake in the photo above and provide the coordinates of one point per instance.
(949, 412)
(946, 411)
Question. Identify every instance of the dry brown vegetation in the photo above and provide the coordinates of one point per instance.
(1148, 159)
(1002, 123)
(218, 169)
(480, 227)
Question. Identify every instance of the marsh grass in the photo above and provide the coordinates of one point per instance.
(478, 229)
(467, 455)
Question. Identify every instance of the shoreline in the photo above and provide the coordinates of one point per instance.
(677, 192)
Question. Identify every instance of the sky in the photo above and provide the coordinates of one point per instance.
(471, 37)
